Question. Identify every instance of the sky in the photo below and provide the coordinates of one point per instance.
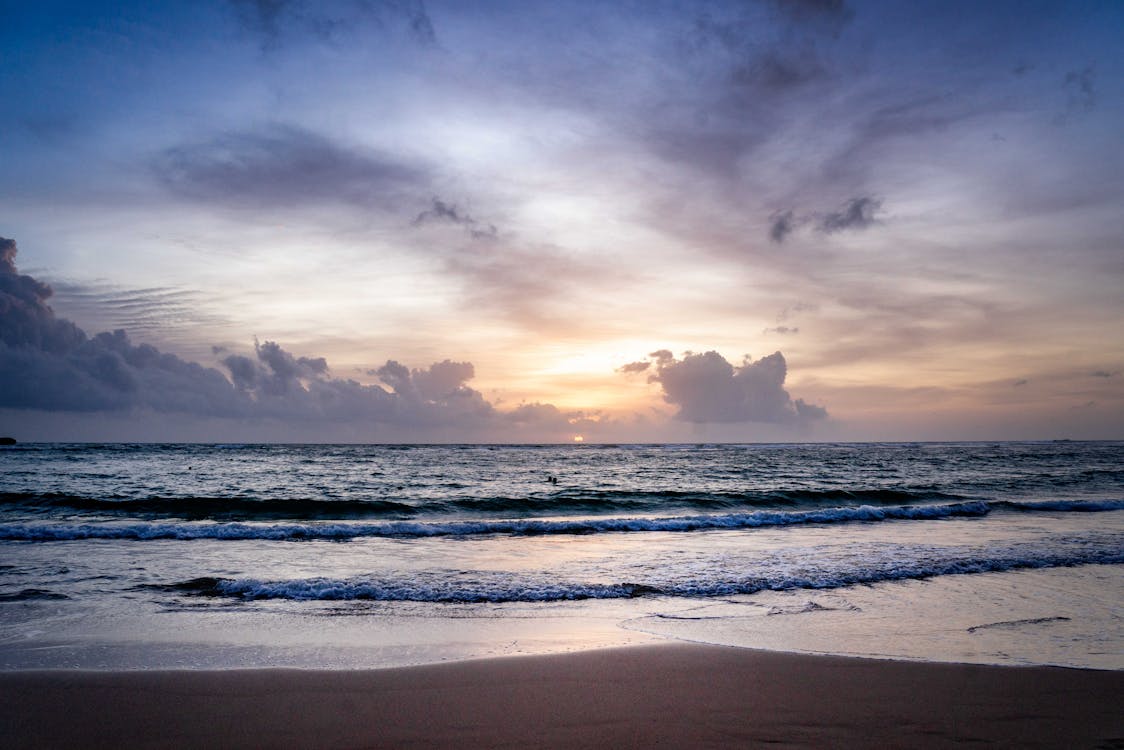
(408, 221)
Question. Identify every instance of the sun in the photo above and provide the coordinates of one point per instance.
(579, 439)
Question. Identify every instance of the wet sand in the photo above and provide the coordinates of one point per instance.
(666, 695)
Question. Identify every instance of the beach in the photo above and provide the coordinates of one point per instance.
(912, 595)
(665, 695)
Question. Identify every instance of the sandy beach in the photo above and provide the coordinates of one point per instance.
(667, 695)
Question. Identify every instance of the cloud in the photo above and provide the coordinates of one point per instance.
(633, 367)
(48, 364)
(284, 166)
(782, 330)
(782, 224)
(854, 215)
(150, 310)
(857, 213)
(809, 411)
(447, 212)
(28, 320)
(708, 389)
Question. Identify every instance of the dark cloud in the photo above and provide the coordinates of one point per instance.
(283, 166)
(442, 212)
(805, 410)
(440, 381)
(1104, 373)
(707, 388)
(1020, 382)
(28, 320)
(635, 367)
(781, 225)
(49, 364)
(782, 330)
(857, 213)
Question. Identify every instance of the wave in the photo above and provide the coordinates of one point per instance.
(522, 527)
(212, 507)
(499, 587)
(27, 595)
(560, 502)
(46, 532)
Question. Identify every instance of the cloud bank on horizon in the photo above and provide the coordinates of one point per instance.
(918, 203)
(49, 364)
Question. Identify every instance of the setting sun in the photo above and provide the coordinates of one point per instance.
(579, 439)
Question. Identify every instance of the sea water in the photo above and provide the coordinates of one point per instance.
(342, 556)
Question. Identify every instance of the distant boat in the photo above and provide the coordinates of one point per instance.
(7, 441)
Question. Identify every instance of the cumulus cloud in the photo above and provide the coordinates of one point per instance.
(28, 320)
(707, 388)
(805, 410)
(49, 364)
(284, 166)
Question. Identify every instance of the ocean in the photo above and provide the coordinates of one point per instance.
(122, 556)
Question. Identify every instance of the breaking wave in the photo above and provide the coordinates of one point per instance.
(46, 532)
(484, 586)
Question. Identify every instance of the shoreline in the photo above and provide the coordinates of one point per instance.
(671, 694)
